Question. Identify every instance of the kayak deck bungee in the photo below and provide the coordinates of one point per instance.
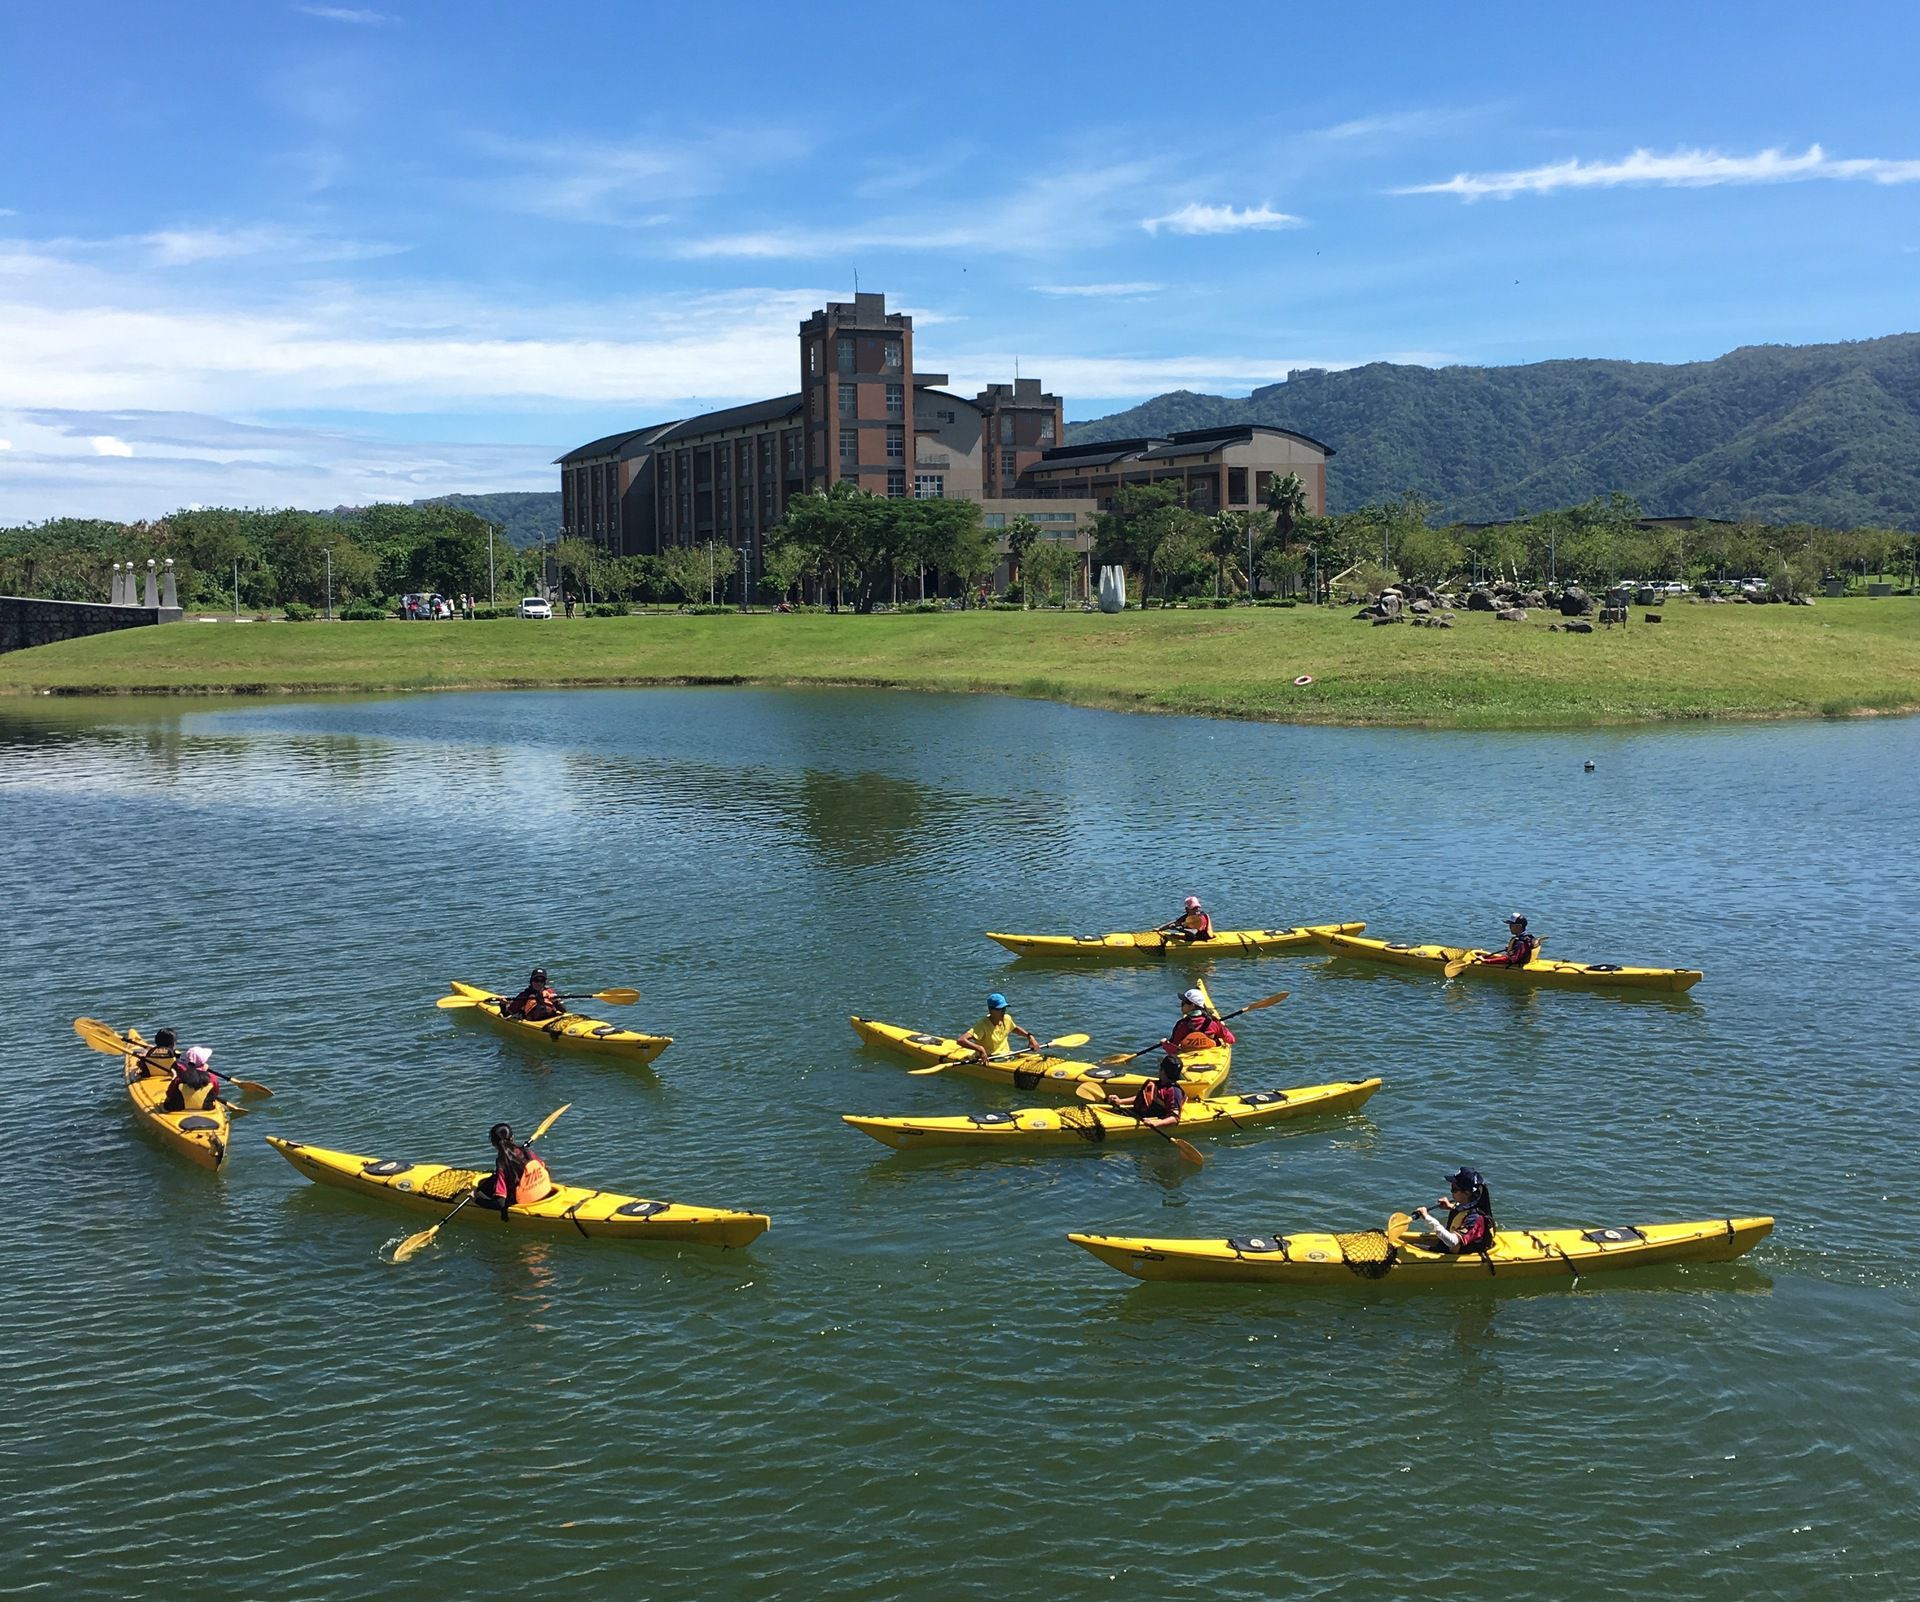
(200, 1136)
(601, 1214)
(1540, 971)
(569, 1029)
(1356, 1259)
(1086, 1126)
(1157, 943)
(1205, 1070)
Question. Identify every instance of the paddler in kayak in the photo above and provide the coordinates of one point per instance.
(1194, 923)
(157, 1060)
(990, 1036)
(518, 1177)
(194, 1087)
(536, 1003)
(1469, 1225)
(1197, 1028)
(1520, 947)
(1159, 1104)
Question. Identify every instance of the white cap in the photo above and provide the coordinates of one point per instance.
(1196, 998)
(199, 1056)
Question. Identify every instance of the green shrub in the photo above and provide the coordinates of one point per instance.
(704, 610)
(487, 614)
(616, 609)
(297, 612)
(363, 612)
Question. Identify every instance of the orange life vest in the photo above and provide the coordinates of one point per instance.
(535, 1183)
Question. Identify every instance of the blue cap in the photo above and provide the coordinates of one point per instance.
(998, 1001)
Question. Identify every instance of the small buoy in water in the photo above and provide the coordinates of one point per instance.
(1589, 767)
(1303, 681)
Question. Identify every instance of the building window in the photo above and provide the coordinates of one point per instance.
(846, 355)
(1007, 467)
(945, 417)
(813, 355)
(897, 483)
(896, 444)
(1046, 429)
(849, 399)
(813, 404)
(994, 520)
(892, 353)
(1237, 486)
(896, 400)
(1006, 428)
(929, 487)
(766, 456)
(849, 445)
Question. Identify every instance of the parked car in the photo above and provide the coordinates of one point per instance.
(533, 606)
(421, 605)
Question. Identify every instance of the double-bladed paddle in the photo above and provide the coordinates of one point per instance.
(417, 1243)
(945, 1063)
(1273, 1000)
(1089, 1091)
(103, 1038)
(617, 995)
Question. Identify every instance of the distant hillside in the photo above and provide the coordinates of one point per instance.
(1828, 434)
(527, 518)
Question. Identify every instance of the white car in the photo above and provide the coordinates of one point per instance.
(533, 606)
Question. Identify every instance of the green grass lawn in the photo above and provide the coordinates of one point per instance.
(1702, 661)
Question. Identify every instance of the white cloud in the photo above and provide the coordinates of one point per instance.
(1683, 168)
(6, 444)
(107, 445)
(350, 14)
(1100, 291)
(1194, 218)
(186, 247)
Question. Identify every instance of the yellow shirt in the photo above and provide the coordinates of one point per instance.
(993, 1036)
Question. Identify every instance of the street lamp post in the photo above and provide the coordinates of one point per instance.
(709, 572)
(329, 555)
(490, 596)
(746, 574)
(236, 590)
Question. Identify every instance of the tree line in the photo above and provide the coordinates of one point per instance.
(847, 547)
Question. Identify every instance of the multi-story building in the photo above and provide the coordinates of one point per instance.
(865, 415)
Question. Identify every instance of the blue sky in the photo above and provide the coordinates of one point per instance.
(311, 254)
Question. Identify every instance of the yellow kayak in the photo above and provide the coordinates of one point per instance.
(569, 1029)
(1205, 1072)
(1093, 1126)
(1540, 971)
(1315, 1259)
(434, 1188)
(200, 1137)
(1157, 943)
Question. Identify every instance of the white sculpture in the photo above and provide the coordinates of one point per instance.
(1113, 589)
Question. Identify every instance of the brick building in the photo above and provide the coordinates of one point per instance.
(864, 413)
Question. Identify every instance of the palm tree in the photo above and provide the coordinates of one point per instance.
(1287, 500)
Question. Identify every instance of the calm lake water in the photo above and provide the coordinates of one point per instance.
(913, 1386)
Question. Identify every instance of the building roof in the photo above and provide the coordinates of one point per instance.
(766, 411)
(611, 444)
(946, 395)
(1235, 433)
(1093, 452)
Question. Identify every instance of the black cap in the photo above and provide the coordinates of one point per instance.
(538, 976)
(1171, 1067)
(1467, 1179)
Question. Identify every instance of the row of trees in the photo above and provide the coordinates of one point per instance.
(847, 547)
(1173, 551)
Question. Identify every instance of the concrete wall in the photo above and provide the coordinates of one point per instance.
(25, 621)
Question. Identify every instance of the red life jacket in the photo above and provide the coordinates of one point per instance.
(535, 1004)
(1197, 1033)
(1520, 950)
(1161, 1101)
(1197, 922)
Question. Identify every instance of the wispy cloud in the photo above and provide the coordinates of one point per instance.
(1194, 218)
(1397, 124)
(357, 16)
(187, 247)
(109, 445)
(1101, 291)
(622, 183)
(1687, 169)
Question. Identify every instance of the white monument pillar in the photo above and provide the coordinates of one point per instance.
(169, 594)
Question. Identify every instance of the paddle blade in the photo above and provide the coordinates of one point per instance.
(1455, 968)
(1188, 1151)
(453, 1003)
(1070, 1040)
(1087, 1090)
(1397, 1227)
(235, 1110)
(1273, 1000)
(250, 1087)
(413, 1245)
(101, 1037)
(548, 1122)
(932, 1068)
(619, 996)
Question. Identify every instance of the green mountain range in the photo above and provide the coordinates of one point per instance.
(1826, 434)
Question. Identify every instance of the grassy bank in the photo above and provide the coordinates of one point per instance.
(1701, 661)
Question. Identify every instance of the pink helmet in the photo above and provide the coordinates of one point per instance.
(1193, 903)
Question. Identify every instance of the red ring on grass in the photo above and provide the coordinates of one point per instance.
(1303, 681)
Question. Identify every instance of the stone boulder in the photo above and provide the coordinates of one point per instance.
(1579, 625)
(1421, 606)
(1512, 614)
(1481, 601)
(1534, 598)
(1575, 602)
